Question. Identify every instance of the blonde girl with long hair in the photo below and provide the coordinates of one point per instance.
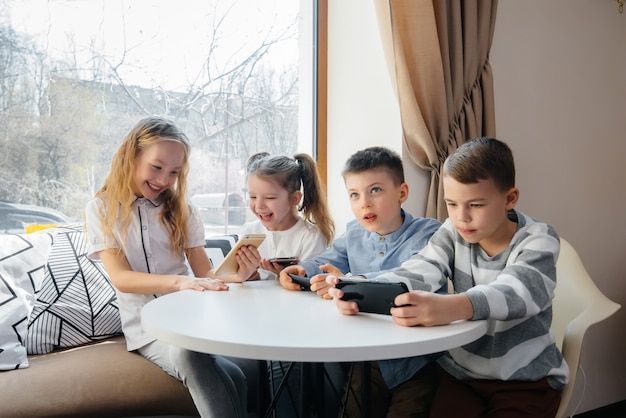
(151, 241)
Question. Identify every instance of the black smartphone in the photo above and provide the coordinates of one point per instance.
(304, 282)
(284, 261)
(371, 296)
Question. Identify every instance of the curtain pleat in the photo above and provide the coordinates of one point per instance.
(438, 53)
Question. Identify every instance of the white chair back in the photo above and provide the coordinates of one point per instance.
(577, 305)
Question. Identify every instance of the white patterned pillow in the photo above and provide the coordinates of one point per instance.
(76, 303)
(22, 263)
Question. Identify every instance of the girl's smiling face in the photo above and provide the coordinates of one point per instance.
(273, 205)
(157, 168)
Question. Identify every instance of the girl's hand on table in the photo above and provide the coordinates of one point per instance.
(203, 283)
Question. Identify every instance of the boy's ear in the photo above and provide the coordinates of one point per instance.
(404, 192)
(512, 196)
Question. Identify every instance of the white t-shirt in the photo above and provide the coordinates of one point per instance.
(147, 250)
(303, 240)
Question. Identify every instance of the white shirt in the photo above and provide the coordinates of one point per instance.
(147, 249)
(303, 240)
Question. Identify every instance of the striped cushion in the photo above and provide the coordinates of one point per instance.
(22, 263)
(76, 303)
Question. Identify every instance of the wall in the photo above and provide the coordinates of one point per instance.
(362, 106)
(559, 73)
(559, 68)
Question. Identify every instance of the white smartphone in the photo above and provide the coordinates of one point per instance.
(229, 264)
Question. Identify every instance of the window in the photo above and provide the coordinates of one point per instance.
(237, 76)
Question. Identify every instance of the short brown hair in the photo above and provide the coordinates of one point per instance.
(481, 159)
(374, 158)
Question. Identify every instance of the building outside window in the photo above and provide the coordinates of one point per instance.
(237, 76)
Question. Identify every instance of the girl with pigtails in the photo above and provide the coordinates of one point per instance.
(286, 196)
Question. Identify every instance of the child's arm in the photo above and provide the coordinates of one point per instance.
(429, 309)
(525, 286)
(199, 261)
(336, 255)
(128, 281)
(430, 268)
(424, 273)
(425, 308)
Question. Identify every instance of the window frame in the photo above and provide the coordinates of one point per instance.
(321, 94)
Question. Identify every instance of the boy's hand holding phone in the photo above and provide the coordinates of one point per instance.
(353, 294)
(431, 309)
(286, 281)
(344, 306)
(318, 282)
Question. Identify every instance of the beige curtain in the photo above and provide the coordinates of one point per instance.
(438, 54)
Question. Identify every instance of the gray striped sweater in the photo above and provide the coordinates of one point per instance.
(512, 290)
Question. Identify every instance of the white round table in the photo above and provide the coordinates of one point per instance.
(261, 320)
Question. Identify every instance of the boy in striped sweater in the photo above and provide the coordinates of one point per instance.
(502, 265)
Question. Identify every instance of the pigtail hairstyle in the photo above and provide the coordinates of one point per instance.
(314, 204)
(118, 193)
(254, 162)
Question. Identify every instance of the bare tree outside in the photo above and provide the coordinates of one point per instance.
(226, 72)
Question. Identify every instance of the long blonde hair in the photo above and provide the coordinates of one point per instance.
(118, 194)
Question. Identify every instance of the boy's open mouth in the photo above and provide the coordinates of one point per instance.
(370, 217)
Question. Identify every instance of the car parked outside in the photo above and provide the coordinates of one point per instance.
(212, 208)
(14, 217)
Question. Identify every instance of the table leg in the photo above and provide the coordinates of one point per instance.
(305, 389)
(312, 399)
(271, 406)
(263, 387)
(364, 404)
(319, 389)
(366, 377)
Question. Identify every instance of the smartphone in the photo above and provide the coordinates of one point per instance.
(304, 282)
(285, 261)
(229, 264)
(371, 296)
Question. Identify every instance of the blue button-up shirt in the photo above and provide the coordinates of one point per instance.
(364, 253)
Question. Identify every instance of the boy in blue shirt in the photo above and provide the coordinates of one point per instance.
(502, 265)
(381, 237)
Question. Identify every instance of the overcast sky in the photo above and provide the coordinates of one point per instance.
(166, 41)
